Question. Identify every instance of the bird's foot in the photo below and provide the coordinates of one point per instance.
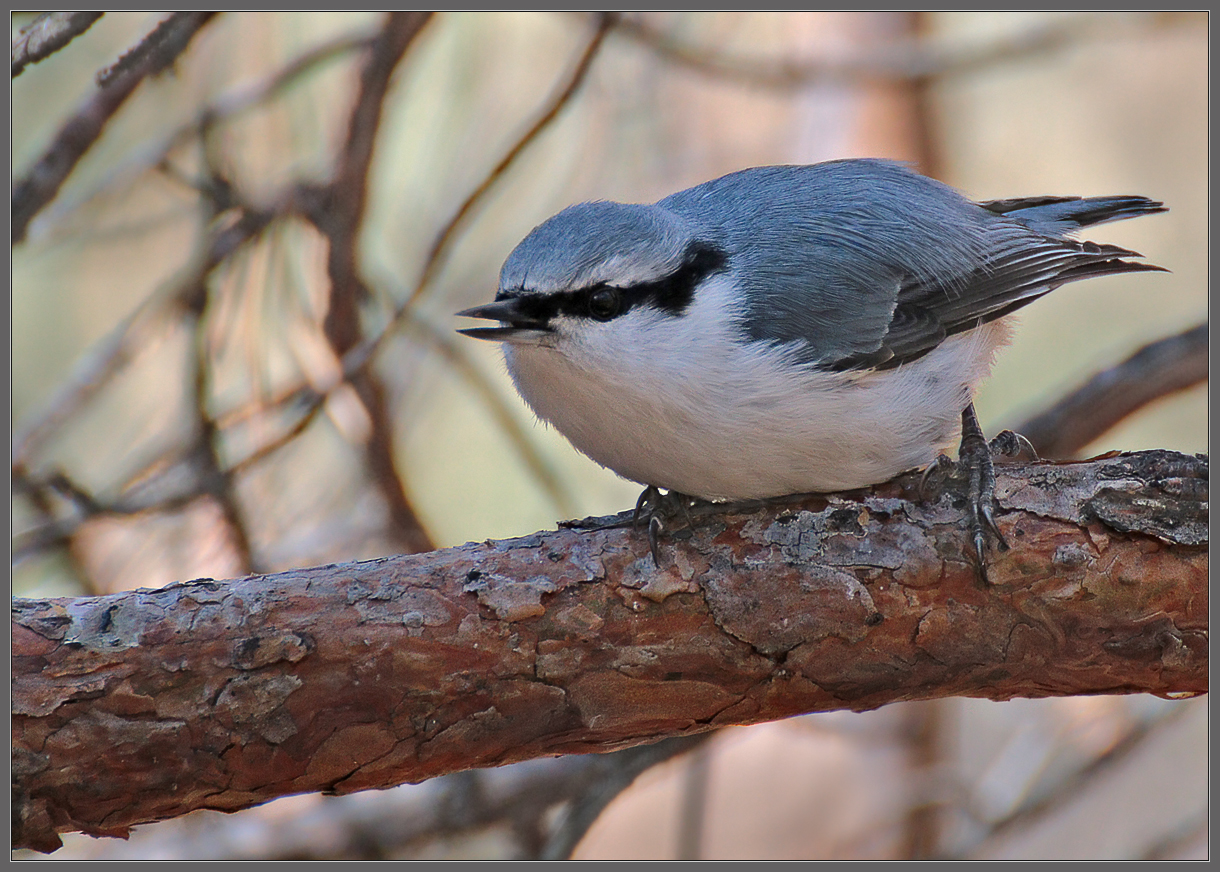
(974, 455)
(1011, 444)
(659, 508)
(975, 464)
(937, 471)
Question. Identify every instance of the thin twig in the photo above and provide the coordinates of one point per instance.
(314, 404)
(1071, 787)
(628, 765)
(358, 358)
(77, 135)
(1158, 369)
(229, 105)
(47, 34)
(436, 255)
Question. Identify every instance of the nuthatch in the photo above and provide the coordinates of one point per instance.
(785, 329)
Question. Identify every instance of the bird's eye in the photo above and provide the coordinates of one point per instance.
(604, 304)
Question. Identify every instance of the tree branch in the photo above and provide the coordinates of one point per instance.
(146, 705)
(1156, 370)
(911, 59)
(604, 22)
(153, 54)
(384, 824)
(339, 214)
(45, 35)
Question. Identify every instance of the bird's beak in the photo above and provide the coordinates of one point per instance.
(518, 327)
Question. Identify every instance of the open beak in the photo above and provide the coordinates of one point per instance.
(516, 326)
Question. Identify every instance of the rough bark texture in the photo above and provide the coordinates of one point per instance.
(146, 705)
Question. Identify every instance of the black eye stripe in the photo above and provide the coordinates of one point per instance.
(671, 294)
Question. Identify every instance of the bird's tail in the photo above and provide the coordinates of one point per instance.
(1058, 215)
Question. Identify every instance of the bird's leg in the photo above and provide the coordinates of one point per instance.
(653, 504)
(974, 454)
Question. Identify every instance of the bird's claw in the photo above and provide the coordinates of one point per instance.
(655, 529)
(654, 505)
(937, 470)
(651, 497)
(1012, 444)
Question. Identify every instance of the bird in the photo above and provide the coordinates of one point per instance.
(787, 329)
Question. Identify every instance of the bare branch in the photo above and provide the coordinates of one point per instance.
(42, 182)
(145, 705)
(1075, 783)
(338, 212)
(605, 22)
(1155, 371)
(358, 358)
(599, 793)
(112, 354)
(907, 60)
(47, 34)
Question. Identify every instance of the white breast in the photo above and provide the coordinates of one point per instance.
(679, 403)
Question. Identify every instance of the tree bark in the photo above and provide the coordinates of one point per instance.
(145, 705)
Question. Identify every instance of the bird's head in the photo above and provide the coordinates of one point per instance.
(596, 269)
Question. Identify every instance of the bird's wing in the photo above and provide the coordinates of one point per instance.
(1022, 267)
(1015, 276)
(862, 264)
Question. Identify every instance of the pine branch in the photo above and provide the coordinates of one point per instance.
(145, 705)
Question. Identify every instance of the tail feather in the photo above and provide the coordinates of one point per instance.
(1060, 215)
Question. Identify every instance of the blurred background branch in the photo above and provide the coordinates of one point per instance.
(221, 361)
(914, 58)
(148, 57)
(1157, 370)
(47, 34)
